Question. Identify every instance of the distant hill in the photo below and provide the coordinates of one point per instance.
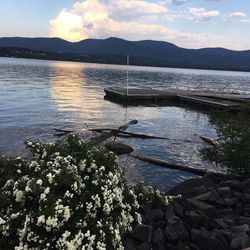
(114, 50)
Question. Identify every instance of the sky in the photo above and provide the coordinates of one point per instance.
(186, 23)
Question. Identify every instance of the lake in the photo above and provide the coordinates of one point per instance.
(38, 96)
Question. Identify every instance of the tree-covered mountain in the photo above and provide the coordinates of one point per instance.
(114, 50)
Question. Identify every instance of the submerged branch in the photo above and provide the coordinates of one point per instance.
(165, 164)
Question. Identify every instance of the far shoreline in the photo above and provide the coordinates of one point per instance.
(131, 65)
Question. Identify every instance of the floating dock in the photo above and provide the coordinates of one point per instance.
(134, 96)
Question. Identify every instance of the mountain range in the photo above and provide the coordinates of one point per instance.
(114, 50)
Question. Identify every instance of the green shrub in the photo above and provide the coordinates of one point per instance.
(233, 152)
(68, 196)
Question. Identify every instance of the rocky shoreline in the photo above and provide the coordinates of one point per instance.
(213, 213)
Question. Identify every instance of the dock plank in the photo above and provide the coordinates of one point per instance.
(135, 95)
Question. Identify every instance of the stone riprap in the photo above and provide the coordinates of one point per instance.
(213, 213)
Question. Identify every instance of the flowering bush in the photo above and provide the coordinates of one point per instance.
(151, 197)
(66, 197)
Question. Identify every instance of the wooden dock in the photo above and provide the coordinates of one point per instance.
(146, 95)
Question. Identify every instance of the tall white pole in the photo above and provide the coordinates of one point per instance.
(127, 72)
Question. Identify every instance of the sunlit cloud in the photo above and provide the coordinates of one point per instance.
(200, 14)
(237, 17)
(133, 20)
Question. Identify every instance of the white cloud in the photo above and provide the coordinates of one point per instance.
(200, 14)
(236, 15)
(245, 21)
(132, 20)
(179, 2)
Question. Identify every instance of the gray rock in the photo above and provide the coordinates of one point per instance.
(159, 246)
(243, 220)
(230, 201)
(195, 234)
(175, 230)
(193, 246)
(208, 240)
(169, 212)
(193, 218)
(199, 190)
(221, 201)
(158, 236)
(220, 236)
(228, 212)
(241, 228)
(237, 195)
(227, 202)
(207, 209)
(178, 209)
(220, 223)
(160, 223)
(245, 184)
(118, 148)
(224, 192)
(153, 215)
(212, 178)
(227, 234)
(145, 246)
(240, 240)
(129, 244)
(235, 185)
(208, 196)
(246, 211)
(239, 207)
(182, 245)
(245, 198)
(142, 233)
(230, 221)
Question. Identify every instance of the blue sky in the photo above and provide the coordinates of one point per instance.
(187, 23)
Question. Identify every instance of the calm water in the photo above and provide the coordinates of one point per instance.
(37, 96)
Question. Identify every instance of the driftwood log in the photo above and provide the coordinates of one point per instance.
(106, 135)
(127, 134)
(165, 164)
(210, 141)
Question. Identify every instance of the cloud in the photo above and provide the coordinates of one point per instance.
(179, 2)
(245, 21)
(133, 20)
(200, 14)
(237, 15)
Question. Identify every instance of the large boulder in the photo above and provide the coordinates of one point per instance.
(175, 230)
(119, 148)
(143, 233)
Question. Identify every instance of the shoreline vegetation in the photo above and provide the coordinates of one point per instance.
(23, 53)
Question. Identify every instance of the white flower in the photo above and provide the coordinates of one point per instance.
(44, 154)
(41, 220)
(2, 221)
(82, 165)
(66, 213)
(50, 177)
(42, 196)
(51, 222)
(27, 189)
(47, 190)
(39, 182)
(19, 195)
